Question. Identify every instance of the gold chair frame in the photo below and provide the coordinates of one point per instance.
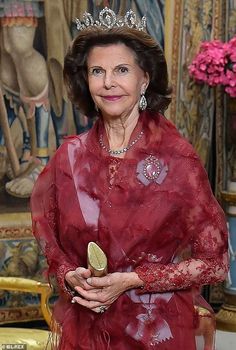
(30, 286)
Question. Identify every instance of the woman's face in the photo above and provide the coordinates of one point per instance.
(115, 80)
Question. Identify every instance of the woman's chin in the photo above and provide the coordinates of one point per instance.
(112, 113)
(116, 112)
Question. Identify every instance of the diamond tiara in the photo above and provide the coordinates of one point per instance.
(108, 19)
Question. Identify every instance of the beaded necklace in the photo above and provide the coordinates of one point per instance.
(123, 150)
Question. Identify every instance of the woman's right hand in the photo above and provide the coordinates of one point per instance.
(79, 277)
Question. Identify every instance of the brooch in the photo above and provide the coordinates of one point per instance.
(151, 169)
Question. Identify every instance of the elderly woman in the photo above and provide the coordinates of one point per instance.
(137, 188)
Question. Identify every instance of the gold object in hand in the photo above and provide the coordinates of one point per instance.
(97, 260)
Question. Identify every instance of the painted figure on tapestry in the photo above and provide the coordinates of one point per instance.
(24, 80)
(25, 77)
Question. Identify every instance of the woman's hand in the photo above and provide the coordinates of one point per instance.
(79, 278)
(105, 290)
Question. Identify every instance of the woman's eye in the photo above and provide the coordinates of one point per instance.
(122, 70)
(96, 71)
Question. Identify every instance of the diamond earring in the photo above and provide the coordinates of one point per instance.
(142, 102)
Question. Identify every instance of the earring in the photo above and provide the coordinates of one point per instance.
(96, 107)
(142, 102)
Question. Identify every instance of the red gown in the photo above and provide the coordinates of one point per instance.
(152, 212)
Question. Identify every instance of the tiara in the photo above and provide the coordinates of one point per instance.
(108, 19)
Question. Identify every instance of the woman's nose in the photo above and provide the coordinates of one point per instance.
(109, 80)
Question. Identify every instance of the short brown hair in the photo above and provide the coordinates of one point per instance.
(150, 58)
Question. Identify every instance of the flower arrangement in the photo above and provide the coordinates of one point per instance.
(215, 64)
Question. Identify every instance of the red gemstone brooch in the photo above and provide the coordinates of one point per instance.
(151, 169)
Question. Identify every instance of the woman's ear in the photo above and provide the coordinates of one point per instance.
(146, 82)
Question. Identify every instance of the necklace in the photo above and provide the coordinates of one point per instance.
(123, 150)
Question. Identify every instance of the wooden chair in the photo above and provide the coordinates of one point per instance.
(35, 339)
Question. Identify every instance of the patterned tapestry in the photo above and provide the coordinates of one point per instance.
(202, 114)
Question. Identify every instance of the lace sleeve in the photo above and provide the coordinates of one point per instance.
(44, 213)
(206, 227)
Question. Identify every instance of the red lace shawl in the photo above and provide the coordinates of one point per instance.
(172, 233)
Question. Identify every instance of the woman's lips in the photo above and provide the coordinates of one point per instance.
(111, 98)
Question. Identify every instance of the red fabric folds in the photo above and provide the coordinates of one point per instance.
(172, 232)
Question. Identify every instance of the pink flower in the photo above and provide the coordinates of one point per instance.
(215, 64)
(231, 91)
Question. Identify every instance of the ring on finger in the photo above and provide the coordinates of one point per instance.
(102, 308)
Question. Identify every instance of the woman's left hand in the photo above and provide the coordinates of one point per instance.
(110, 288)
